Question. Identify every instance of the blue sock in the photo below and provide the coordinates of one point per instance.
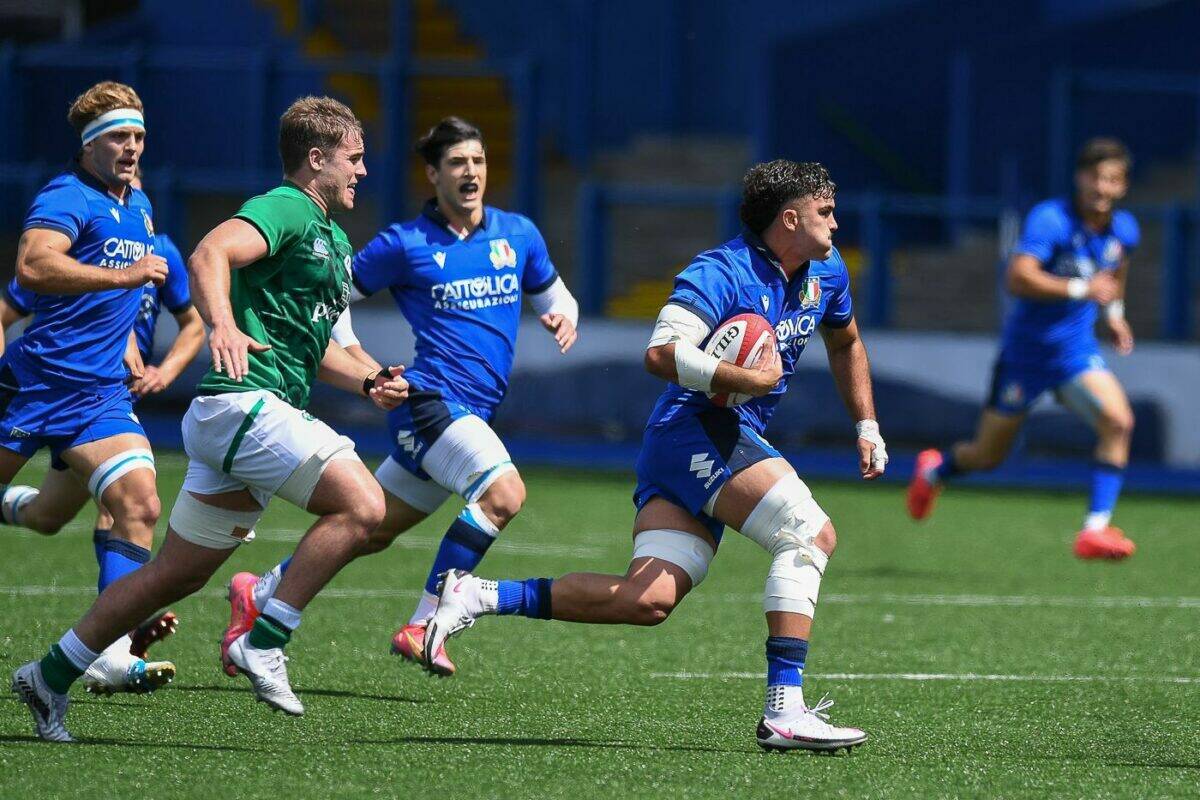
(283, 565)
(463, 546)
(1106, 487)
(785, 660)
(99, 538)
(529, 598)
(949, 467)
(785, 673)
(120, 558)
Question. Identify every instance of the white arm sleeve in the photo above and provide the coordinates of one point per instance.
(342, 333)
(556, 299)
(694, 367)
(676, 323)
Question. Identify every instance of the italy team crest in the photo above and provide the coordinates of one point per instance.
(811, 298)
(502, 254)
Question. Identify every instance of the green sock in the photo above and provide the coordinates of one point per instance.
(267, 634)
(58, 671)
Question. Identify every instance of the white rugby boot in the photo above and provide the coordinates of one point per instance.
(267, 671)
(49, 709)
(804, 728)
(462, 599)
(118, 670)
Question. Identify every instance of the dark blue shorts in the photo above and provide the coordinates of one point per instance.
(1016, 384)
(31, 419)
(417, 423)
(688, 459)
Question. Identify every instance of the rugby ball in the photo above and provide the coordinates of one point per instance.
(739, 340)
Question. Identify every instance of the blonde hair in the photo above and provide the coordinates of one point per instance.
(320, 122)
(100, 99)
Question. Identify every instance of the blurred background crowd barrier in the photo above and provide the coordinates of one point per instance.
(623, 129)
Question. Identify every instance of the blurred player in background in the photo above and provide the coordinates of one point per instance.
(1072, 258)
(457, 273)
(86, 252)
(270, 282)
(703, 467)
(62, 495)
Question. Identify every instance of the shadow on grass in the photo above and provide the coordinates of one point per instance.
(302, 693)
(221, 748)
(523, 741)
(893, 572)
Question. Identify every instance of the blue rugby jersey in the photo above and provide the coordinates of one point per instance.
(462, 297)
(79, 340)
(174, 294)
(742, 276)
(1057, 331)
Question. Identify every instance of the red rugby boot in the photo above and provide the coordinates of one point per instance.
(150, 632)
(1110, 543)
(922, 492)
(242, 613)
(409, 644)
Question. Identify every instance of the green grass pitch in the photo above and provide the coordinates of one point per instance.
(982, 658)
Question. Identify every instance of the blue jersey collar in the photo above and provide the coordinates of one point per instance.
(768, 264)
(91, 180)
(431, 211)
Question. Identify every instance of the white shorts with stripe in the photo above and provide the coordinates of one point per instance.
(255, 441)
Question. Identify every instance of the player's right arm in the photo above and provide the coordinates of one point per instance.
(43, 266)
(674, 355)
(1045, 232)
(1027, 279)
(231, 245)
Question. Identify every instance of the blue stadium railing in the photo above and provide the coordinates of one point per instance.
(253, 126)
(875, 215)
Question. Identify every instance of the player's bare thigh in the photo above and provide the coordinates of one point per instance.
(1098, 397)
(133, 498)
(10, 464)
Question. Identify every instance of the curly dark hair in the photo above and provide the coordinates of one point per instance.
(1103, 148)
(766, 188)
(441, 137)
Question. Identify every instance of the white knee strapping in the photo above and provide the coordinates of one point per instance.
(423, 494)
(794, 581)
(685, 550)
(785, 523)
(209, 526)
(117, 467)
(481, 483)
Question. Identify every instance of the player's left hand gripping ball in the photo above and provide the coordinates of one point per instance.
(872, 452)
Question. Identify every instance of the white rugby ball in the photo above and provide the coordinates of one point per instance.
(739, 340)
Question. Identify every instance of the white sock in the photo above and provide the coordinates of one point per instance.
(78, 653)
(782, 699)
(281, 612)
(264, 590)
(1097, 520)
(425, 609)
(488, 595)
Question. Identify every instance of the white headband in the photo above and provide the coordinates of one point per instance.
(117, 118)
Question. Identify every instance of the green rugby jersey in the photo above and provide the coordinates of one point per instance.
(290, 298)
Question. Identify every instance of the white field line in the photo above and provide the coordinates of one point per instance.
(501, 546)
(979, 600)
(936, 676)
(211, 591)
(970, 601)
